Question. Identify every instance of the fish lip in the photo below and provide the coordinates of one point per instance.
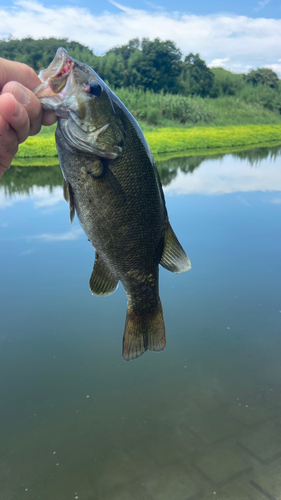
(54, 72)
(56, 66)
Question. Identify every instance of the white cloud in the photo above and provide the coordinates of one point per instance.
(9, 202)
(44, 198)
(243, 40)
(40, 196)
(216, 63)
(27, 252)
(213, 178)
(261, 5)
(275, 67)
(74, 234)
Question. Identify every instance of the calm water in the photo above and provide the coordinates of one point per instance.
(201, 419)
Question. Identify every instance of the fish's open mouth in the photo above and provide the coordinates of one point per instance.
(66, 69)
(60, 66)
(55, 76)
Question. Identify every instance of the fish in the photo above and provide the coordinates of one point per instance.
(111, 182)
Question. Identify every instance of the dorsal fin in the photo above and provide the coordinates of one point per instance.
(68, 196)
(102, 282)
(174, 257)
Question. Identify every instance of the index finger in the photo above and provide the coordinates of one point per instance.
(19, 72)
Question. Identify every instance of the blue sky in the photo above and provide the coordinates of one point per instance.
(249, 8)
(235, 35)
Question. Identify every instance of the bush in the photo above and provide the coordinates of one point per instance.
(152, 116)
(153, 107)
(262, 95)
(226, 83)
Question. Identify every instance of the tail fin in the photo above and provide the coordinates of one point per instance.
(143, 332)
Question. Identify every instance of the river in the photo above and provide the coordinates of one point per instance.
(200, 420)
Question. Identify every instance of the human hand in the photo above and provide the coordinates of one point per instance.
(21, 113)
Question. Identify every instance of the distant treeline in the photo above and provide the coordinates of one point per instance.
(155, 66)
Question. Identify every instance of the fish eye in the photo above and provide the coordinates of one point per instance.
(94, 88)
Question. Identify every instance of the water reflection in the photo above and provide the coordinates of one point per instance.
(169, 168)
(21, 180)
(199, 421)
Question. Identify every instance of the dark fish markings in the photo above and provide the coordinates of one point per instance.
(111, 181)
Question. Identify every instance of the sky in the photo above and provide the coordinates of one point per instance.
(237, 35)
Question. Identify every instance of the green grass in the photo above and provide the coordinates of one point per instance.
(159, 157)
(231, 110)
(178, 110)
(36, 161)
(41, 145)
(167, 140)
(170, 140)
(212, 151)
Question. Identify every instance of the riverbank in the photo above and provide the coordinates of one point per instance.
(174, 140)
(164, 141)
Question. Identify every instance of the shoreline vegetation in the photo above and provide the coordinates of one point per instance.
(166, 142)
(182, 105)
(53, 161)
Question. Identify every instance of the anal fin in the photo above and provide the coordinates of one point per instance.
(174, 257)
(102, 282)
(68, 196)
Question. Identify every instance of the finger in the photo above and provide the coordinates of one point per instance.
(16, 115)
(15, 71)
(48, 118)
(8, 145)
(32, 106)
(30, 103)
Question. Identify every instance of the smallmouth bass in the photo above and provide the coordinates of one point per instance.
(111, 181)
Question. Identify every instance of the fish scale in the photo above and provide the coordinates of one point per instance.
(112, 183)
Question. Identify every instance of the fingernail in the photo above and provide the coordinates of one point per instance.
(21, 95)
(18, 110)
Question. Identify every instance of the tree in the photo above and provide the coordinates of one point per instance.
(39, 53)
(196, 77)
(111, 68)
(157, 66)
(226, 83)
(125, 51)
(265, 76)
(150, 65)
(114, 66)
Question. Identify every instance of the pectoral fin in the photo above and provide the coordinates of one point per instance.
(174, 257)
(102, 282)
(108, 184)
(68, 196)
